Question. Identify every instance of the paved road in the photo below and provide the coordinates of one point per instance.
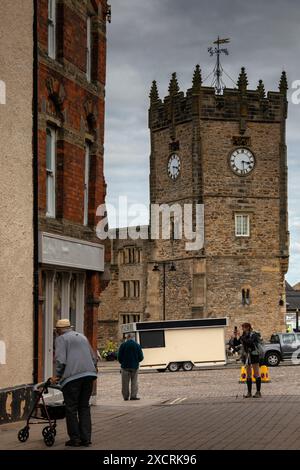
(195, 410)
(157, 387)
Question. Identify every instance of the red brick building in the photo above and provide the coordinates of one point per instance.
(71, 107)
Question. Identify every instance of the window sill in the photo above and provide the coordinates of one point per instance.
(130, 264)
(53, 59)
(130, 298)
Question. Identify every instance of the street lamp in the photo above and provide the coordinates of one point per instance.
(171, 269)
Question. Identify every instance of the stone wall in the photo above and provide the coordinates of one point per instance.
(113, 303)
(16, 201)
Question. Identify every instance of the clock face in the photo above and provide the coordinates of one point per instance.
(242, 161)
(174, 167)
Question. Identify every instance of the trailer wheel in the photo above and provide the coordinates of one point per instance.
(173, 366)
(187, 366)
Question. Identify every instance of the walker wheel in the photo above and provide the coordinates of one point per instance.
(23, 434)
(49, 439)
(48, 430)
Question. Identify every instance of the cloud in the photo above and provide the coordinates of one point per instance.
(149, 40)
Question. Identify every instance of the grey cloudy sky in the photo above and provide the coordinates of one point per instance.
(150, 39)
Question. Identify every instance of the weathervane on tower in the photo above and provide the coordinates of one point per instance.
(218, 70)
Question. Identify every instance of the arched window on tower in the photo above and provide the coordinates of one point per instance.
(172, 229)
(246, 296)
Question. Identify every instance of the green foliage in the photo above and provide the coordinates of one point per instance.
(111, 350)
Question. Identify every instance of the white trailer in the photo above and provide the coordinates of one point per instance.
(175, 344)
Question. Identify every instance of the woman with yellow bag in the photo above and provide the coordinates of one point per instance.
(251, 355)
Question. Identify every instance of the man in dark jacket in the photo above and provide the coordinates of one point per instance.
(129, 356)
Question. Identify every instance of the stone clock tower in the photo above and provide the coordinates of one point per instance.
(227, 152)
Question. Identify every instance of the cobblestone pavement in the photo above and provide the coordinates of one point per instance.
(202, 409)
(157, 387)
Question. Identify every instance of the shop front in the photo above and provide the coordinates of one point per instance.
(70, 271)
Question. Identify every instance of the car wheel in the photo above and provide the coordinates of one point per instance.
(187, 366)
(173, 366)
(272, 359)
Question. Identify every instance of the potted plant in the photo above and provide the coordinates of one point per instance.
(110, 352)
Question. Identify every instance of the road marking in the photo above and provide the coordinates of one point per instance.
(177, 400)
(174, 401)
(180, 401)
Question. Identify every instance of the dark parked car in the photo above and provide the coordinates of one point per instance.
(281, 347)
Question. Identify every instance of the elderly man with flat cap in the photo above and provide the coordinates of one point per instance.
(76, 370)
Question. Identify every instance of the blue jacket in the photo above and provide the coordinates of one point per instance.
(130, 354)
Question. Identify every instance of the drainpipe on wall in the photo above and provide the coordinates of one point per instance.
(35, 196)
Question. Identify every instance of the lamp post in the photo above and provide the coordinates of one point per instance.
(172, 269)
(297, 319)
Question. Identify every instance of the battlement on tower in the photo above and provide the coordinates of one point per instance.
(234, 104)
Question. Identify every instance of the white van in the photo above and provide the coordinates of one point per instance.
(175, 344)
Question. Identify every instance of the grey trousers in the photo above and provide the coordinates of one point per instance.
(129, 375)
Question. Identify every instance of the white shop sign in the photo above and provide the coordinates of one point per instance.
(57, 250)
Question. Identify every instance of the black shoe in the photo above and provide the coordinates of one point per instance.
(85, 443)
(72, 443)
(134, 398)
(125, 399)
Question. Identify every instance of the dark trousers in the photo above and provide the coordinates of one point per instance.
(77, 394)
